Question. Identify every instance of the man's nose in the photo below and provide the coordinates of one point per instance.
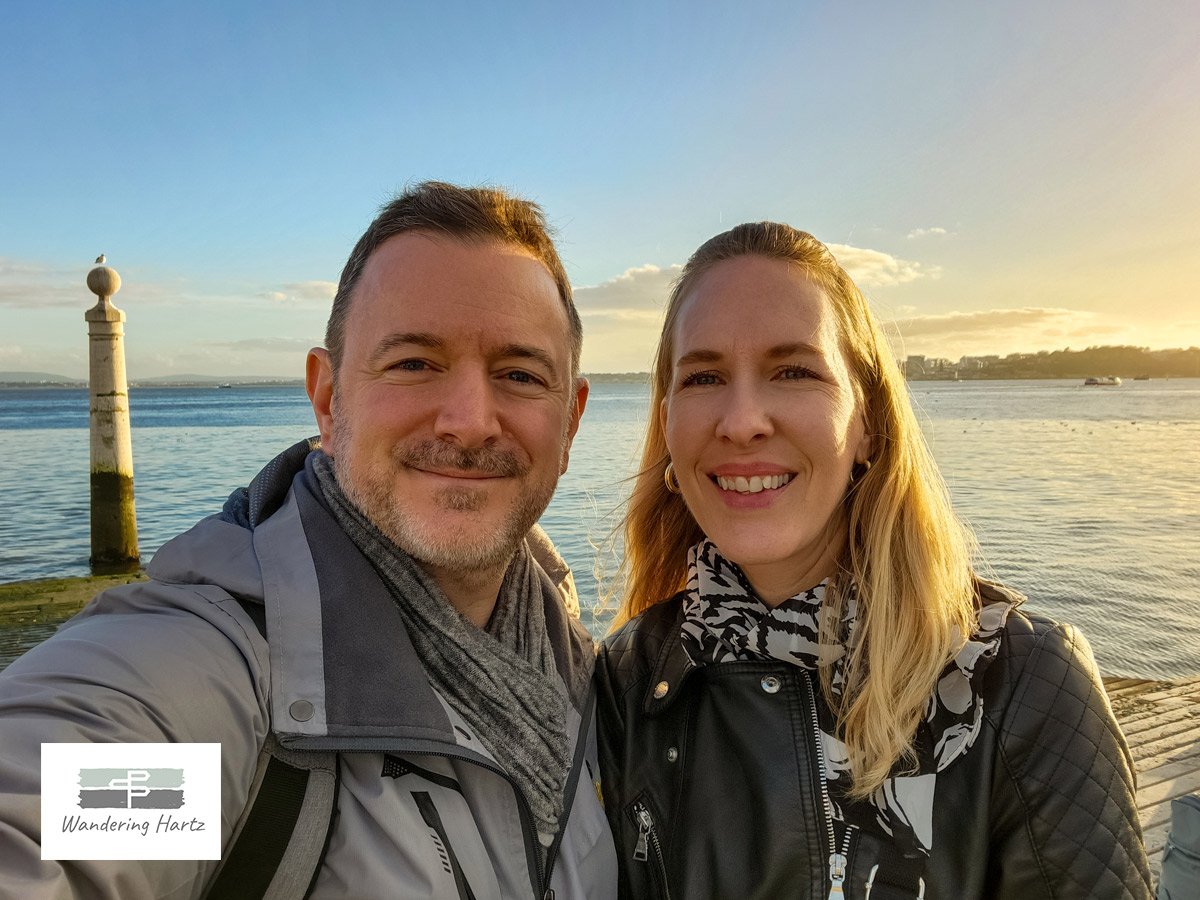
(468, 414)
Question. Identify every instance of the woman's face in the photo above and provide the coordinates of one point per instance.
(762, 423)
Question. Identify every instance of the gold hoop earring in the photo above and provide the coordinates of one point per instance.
(670, 479)
(858, 470)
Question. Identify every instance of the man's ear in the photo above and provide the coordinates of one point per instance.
(318, 381)
(578, 403)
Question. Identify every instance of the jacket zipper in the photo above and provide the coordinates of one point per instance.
(837, 860)
(648, 840)
(540, 879)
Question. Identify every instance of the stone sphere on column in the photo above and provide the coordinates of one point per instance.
(103, 281)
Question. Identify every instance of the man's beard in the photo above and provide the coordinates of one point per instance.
(467, 546)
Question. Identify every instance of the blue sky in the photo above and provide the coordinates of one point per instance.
(998, 178)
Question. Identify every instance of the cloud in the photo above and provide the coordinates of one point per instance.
(270, 345)
(622, 318)
(303, 292)
(1003, 331)
(925, 232)
(25, 284)
(70, 362)
(983, 322)
(30, 295)
(642, 288)
(10, 267)
(874, 268)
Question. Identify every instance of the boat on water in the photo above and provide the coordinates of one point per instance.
(1103, 381)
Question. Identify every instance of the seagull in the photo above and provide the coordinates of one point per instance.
(100, 259)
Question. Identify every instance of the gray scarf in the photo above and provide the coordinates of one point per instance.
(501, 679)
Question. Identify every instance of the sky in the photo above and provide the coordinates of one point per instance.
(998, 178)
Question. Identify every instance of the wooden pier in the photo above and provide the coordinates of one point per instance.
(1161, 722)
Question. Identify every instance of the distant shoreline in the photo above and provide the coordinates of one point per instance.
(216, 382)
(594, 378)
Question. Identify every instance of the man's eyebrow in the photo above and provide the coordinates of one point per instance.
(779, 351)
(524, 351)
(404, 339)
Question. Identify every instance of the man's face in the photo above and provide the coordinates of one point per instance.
(451, 415)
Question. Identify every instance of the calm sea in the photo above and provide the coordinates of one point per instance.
(1085, 499)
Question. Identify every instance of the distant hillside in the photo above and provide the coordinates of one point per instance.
(186, 379)
(37, 378)
(618, 377)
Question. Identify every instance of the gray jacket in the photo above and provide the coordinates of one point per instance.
(179, 659)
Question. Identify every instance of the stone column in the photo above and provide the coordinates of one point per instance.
(114, 526)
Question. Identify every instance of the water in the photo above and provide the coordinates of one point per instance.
(1086, 499)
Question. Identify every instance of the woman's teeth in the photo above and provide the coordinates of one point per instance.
(753, 484)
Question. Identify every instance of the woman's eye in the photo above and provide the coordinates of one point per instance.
(699, 379)
(790, 373)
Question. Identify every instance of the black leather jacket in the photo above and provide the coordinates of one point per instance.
(712, 786)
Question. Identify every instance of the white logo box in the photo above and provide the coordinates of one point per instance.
(131, 801)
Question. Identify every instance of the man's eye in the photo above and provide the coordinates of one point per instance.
(522, 377)
(410, 365)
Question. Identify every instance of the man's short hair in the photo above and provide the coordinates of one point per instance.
(465, 213)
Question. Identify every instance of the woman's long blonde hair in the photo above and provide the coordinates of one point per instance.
(907, 552)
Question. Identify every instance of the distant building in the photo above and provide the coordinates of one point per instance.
(978, 362)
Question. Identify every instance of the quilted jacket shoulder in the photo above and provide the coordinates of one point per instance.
(1064, 784)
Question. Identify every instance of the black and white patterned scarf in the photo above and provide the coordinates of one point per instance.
(724, 621)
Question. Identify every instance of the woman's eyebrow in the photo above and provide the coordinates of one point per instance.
(698, 356)
(796, 348)
(779, 351)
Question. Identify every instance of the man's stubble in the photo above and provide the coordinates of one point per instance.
(467, 546)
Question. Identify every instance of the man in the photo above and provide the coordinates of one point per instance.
(421, 678)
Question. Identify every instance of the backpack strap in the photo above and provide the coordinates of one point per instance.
(279, 842)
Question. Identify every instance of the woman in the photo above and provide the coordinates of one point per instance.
(810, 693)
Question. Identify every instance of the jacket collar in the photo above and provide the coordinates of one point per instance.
(344, 671)
(672, 665)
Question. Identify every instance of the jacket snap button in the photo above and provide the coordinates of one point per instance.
(660, 690)
(770, 684)
(672, 754)
(301, 710)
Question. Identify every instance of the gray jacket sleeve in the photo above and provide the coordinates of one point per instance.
(1067, 824)
(143, 663)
